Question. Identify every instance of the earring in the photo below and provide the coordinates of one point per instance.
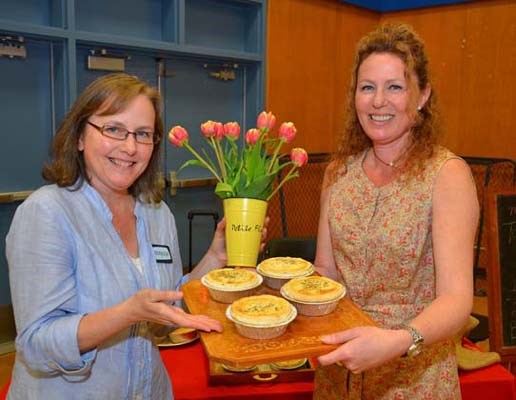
(419, 108)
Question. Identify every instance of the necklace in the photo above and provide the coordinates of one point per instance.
(392, 163)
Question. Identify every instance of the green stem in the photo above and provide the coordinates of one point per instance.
(207, 166)
(222, 161)
(275, 155)
(285, 179)
(218, 153)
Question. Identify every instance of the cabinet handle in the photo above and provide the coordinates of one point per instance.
(265, 378)
(187, 183)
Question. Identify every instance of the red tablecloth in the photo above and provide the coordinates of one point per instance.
(188, 368)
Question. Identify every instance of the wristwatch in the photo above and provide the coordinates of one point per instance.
(417, 342)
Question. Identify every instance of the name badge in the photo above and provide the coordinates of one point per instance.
(162, 253)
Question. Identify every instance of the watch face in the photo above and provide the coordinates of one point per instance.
(417, 346)
(414, 349)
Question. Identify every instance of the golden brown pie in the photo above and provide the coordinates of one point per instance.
(183, 335)
(262, 310)
(231, 279)
(312, 289)
(285, 267)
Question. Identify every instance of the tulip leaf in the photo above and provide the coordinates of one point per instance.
(260, 188)
(189, 163)
(223, 190)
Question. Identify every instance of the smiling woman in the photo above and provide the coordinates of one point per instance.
(94, 261)
(383, 105)
(108, 97)
(114, 164)
(397, 223)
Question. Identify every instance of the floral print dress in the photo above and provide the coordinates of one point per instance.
(382, 245)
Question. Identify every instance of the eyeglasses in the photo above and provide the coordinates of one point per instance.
(119, 133)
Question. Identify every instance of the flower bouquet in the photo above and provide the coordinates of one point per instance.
(245, 178)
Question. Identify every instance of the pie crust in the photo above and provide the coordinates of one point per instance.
(263, 310)
(312, 289)
(285, 267)
(231, 279)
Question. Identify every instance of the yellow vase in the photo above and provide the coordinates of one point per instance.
(244, 225)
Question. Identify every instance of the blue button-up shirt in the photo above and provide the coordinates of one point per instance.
(66, 260)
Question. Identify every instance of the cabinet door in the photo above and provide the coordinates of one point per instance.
(27, 98)
(191, 96)
(27, 107)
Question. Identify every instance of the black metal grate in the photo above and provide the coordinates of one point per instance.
(294, 212)
(489, 174)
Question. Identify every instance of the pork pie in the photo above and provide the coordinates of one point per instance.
(312, 289)
(262, 310)
(285, 267)
(231, 279)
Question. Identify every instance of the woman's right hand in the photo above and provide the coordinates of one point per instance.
(365, 347)
(154, 306)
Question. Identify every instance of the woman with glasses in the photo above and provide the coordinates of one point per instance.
(94, 261)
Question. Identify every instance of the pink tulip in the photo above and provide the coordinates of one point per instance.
(265, 120)
(252, 136)
(232, 130)
(299, 156)
(218, 129)
(287, 131)
(208, 128)
(178, 136)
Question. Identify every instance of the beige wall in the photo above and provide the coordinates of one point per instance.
(310, 50)
(472, 51)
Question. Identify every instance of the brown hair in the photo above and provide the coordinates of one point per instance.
(401, 41)
(111, 93)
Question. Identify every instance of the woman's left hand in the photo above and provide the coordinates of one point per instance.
(218, 244)
(264, 233)
(364, 347)
(216, 256)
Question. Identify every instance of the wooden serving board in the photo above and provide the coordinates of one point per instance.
(300, 340)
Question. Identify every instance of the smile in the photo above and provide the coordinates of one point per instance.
(381, 118)
(121, 163)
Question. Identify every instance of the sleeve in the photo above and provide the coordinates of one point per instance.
(180, 279)
(41, 261)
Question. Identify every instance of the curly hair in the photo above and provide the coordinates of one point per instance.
(400, 40)
(110, 94)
